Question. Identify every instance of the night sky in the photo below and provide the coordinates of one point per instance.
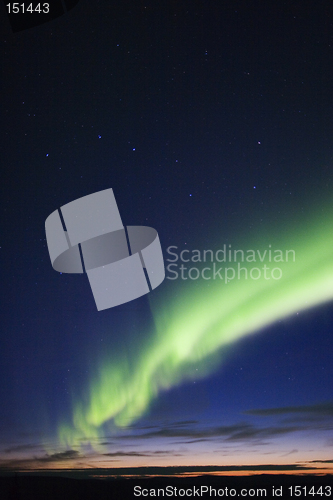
(213, 123)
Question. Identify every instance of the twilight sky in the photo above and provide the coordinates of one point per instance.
(212, 123)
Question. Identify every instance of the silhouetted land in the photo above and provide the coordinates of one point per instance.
(62, 488)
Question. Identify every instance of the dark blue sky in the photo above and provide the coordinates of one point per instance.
(212, 123)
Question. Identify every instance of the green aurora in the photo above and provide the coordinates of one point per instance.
(194, 328)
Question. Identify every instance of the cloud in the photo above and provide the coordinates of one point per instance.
(304, 418)
(250, 432)
(190, 432)
(319, 462)
(243, 431)
(290, 453)
(22, 447)
(318, 410)
(316, 417)
(62, 456)
(35, 462)
(138, 454)
(173, 431)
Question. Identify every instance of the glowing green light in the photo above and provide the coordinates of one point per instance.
(203, 318)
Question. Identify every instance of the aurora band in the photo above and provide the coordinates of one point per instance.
(194, 324)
